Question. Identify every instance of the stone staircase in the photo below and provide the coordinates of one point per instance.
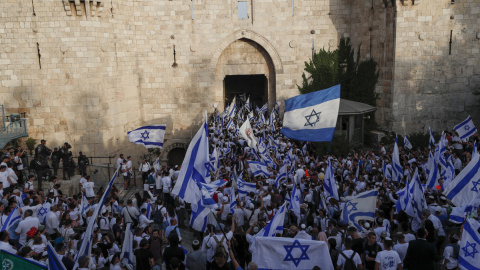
(13, 129)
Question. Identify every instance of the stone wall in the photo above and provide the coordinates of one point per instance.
(109, 66)
(433, 87)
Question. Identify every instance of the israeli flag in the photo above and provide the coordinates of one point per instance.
(251, 118)
(449, 173)
(199, 218)
(469, 256)
(233, 200)
(211, 187)
(148, 136)
(304, 150)
(291, 172)
(281, 175)
(434, 174)
(84, 205)
(406, 143)
(312, 117)
(247, 104)
(263, 109)
(195, 168)
(457, 215)
(206, 199)
(258, 168)
(230, 124)
(232, 110)
(86, 247)
(54, 262)
(417, 202)
(245, 187)
(42, 212)
(466, 185)
(13, 217)
(386, 171)
(291, 253)
(474, 150)
(295, 203)
(397, 171)
(360, 207)
(215, 160)
(127, 255)
(329, 183)
(275, 225)
(466, 128)
(356, 174)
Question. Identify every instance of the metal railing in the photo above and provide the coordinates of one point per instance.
(13, 130)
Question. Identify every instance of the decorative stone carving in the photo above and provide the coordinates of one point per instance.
(95, 7)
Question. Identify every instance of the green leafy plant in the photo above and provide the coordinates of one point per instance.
(339, 146)
(31, 144)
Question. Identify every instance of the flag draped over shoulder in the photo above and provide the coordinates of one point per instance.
(148, 136)
(469, 256)
(312, 117)
(466, 128)
(360, 207)
(291, 253)
(466, 185)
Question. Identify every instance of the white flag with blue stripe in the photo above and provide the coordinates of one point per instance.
(247, 104)
(127, 255)
(230, 124)
(432, 139)
(466, 185)
(386, 171)
(295, 203)
(406, 143)
(291, 253)
(84, 205)
(54, 262)
(148, 136)
(312, 117)
(474, 150)
(43, 211)
(13, 217)
(232, 110)
(434, 174)
(360, 207)
(244, 187)
(329, 183)
(195, 168)
(281, 175)
(199, 218)
(397, 171)
(466, 128)
(469, 257)
(233, 200)
(417, 202)
(259, 168)
(275, 225)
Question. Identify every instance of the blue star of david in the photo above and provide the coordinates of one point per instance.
(467, 127)
(289, 256)
(474, 250)
(352, 205)
(145, 135)
(475, 184)
(42, 211)
(316, 118)
(209, 167)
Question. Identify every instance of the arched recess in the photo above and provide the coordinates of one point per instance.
(234, 56)
(173, 150)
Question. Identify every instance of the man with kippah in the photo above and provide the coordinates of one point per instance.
(196, 260)
(388, 259)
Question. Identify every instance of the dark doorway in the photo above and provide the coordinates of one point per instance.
(255, 86)
(176, 156)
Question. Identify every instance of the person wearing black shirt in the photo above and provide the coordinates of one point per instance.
(144, 256)
(82, 163)
(55, 160)
(371, 249)
(173, 251)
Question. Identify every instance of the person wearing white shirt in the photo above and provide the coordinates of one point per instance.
(166, 185)
(143, 220)
(35, 208)
(4, 245)
(52, 222)
(349, 253)
(82, 181)
(120, 160)
(88, 188)
(144, 169)
(388, 259)
(25, 225)
(450, 262)
(104, 222)
(401, 247)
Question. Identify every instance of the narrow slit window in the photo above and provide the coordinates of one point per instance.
(242, 10)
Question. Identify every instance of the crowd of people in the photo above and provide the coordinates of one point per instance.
(393, 240)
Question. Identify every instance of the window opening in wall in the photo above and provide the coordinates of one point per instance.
(242, 10)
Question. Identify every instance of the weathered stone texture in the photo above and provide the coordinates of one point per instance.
(105, 73)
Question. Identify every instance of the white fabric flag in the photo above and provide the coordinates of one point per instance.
(289, 253)
(469, 256)
(466, 185)
(246, 132)
(148, 136)
(127, 246)
(360, 207)
(466, 128)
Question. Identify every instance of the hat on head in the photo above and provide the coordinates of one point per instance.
(16, 191)
(303, 226)
(438, 209)
(196, 242)
(383, 234)
(366, 225)
(255, 229)
(41, 227)
(176, 166)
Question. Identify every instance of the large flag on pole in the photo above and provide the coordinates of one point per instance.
(466, 185)
(291, 253)
(86, 247)
(295, 203)
(329, 183)
(312, 117)
(417, 202)
(194, 168)
(360, 207)
(406, 143)
(466, 128)
(148, 136)
(397, 171)
(127, 246)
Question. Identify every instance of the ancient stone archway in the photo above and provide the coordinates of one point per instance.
(246, 54)
(173, 153)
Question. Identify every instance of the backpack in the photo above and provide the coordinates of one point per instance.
(349, 263)
(220, 247)
(157, 215)
(151, 180)
(456, 250)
